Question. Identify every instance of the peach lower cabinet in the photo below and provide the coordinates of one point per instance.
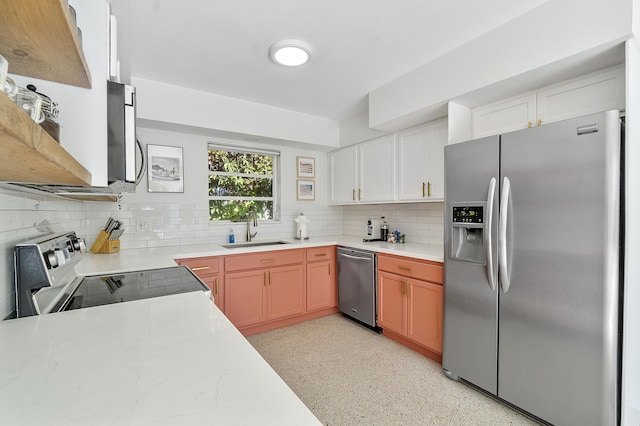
(271, 289)
(208, 270)
(410, 303)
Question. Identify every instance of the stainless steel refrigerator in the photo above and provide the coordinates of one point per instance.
(532, 276)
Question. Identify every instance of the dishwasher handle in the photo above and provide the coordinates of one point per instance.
(367, 259)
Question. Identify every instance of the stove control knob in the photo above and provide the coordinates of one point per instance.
(60, 257)
(50, 259)
(78, 244)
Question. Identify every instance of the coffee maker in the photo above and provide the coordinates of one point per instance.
(373, 230)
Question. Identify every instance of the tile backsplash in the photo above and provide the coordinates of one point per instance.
(420, 222)
(25, 216)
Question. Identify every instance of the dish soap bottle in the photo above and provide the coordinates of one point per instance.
(232, 238)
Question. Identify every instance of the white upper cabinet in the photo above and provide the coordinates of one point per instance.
(377, 164)
(600, 91)
(407, 166)
(364, 173)
(505, 116)
(343, 176)
(597, 92)
(421, 162)
(438, 138)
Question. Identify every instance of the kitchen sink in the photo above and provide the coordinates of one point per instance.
(253, 244)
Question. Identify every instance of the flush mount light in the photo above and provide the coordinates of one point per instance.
(290, 53)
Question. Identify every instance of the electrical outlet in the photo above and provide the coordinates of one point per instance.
(142, 226)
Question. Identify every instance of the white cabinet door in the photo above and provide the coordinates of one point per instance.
(377, 162)
(438, 137)
(601, 91)
(412, 164)
(342, 175)
(421, 162)
(504, 116)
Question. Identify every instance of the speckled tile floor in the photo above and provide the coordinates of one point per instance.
(350, 376)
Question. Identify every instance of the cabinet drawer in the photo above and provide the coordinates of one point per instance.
(265, 259)
(423, 270)
(202, 265)
(320, 253)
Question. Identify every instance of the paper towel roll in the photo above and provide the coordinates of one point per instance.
(301, 227)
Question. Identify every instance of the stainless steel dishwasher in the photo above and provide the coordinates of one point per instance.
(357, 285)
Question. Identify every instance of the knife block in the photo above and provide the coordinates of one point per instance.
(104, 245)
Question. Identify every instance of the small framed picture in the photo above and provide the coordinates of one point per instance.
(165, 169)
(306, 167)
(306, 189)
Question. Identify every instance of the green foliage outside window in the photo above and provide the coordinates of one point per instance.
(240, 182)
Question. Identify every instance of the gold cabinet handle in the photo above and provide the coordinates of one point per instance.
(215, 287)
(267, 260)
(406, 288)
(264, 279)
(200, 268)
(359, 194)
(539, 122)
(329, 265)
(353, 194)
(404, 268)
(423, 185)
(321, 254)
(269, 277)
(529, 124)
(428, 189)
(401, 286)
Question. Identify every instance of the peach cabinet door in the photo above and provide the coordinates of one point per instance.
(285, 291)
(245, 297)
(214, 283)
(320, 289)
(391, 303)
(425, 314)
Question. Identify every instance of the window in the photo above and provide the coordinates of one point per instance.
(241, 181)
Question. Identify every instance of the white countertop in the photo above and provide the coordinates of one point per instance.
(138, 259)
(173, 360)
(166, 360)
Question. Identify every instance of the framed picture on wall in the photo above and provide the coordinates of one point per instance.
(165, 168)
(305, 189)
(306, 167)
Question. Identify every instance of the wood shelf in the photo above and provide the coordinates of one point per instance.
(29, 154)
(39, 39)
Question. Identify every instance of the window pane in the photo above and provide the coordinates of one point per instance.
(240, 162)
(238, 186)
(238, 209)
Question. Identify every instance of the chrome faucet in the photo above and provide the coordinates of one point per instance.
(255, 223)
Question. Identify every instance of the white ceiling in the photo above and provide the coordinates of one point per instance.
(358, 45)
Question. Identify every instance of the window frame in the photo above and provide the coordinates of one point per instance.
(275, 178)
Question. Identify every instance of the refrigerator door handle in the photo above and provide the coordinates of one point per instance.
(488, 246)
(502, 235)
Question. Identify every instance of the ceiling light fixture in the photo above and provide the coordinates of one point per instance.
(290, 53)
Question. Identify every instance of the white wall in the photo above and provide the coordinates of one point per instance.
(459, 122)
(356, 129)
(183, 218)
(179, 105)
(631, 325)
(551, 33)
